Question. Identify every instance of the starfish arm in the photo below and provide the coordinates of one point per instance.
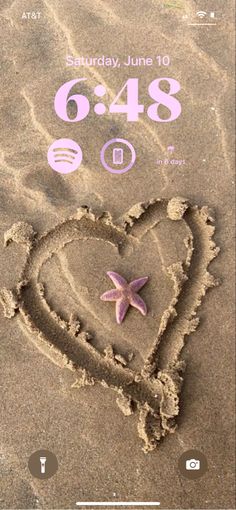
(136, 285)
(118, 280)
(138, 303)
(110, 295)
(122, 306)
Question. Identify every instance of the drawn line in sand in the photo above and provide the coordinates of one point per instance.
(155, 391)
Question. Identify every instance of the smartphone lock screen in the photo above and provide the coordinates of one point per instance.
(116, 254)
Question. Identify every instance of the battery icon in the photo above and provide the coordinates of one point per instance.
(117, 156)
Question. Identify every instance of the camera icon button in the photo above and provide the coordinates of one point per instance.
(192, 464)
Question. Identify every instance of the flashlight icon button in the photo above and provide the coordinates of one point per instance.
(43, 464)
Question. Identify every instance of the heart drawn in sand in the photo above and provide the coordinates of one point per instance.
(171, 242)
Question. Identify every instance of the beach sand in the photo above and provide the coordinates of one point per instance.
(117, 404)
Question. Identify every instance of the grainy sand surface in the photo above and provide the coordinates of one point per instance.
(45, 405)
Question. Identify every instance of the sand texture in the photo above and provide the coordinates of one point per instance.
(117, 404)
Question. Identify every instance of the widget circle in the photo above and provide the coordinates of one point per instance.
(118, 155)
(64, 156)
(43, 464)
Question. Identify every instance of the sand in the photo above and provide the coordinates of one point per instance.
(117, 404)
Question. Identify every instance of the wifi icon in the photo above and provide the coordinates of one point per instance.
(64, 156)
(201, 14)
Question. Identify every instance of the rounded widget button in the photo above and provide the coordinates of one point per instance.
(193, 464)
(64, 156)
(118, 156)
(43, 464)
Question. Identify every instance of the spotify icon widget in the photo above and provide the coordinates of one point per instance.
(64, 156)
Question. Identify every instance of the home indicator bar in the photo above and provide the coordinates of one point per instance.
(117, 503)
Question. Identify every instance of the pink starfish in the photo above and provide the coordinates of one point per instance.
(125, 294)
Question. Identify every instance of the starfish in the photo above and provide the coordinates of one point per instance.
(125, 294)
